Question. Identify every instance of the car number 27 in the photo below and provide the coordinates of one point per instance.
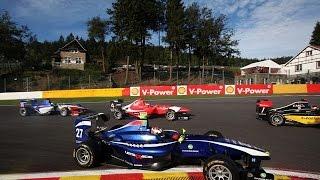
(79, 133)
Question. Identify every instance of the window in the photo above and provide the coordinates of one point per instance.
(308, 53)
(318, 64)
(67, 60)
(74, 51)
(298, 67)
(78, 60)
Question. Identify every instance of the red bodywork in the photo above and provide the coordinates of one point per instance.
(76, 110)
(140, 106)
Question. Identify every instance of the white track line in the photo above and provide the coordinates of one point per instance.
(131, 171)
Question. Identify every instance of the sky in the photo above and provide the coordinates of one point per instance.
(264, 28)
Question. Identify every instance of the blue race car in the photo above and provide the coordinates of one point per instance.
(136, 145)
(46, 107)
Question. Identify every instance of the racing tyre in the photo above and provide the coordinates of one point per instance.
(171, 115)
(216, 134)
(23, 112)
(220, 167)
(276, 119)
(87, 154)
(64, 112)
(117, 114)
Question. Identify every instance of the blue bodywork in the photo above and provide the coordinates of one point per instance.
(134, 145)
(34, 106)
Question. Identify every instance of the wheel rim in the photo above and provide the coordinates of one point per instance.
(23, 112)
(83, 156)
(170, 115)
(276, 120)
(219, 172)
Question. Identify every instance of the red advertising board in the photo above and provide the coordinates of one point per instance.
(253, 89)
(158, 90)
(313, 88)
(205, 90)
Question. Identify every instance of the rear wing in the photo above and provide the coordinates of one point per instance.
(115, 104)
(266, 103)
(84, 124)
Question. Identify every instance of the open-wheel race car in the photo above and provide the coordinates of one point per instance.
(299, 112)
(140, 108)
(46, 107)
(136, 145)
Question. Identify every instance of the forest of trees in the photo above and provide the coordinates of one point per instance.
(189, 36)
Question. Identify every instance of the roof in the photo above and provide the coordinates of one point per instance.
(74, 40)
(266, 63)
(312, 46)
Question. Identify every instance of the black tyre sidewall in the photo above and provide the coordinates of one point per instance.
(23, 110)
(174, 115)
(117, 111)
(94, 152)
(224, 161)
(276, 115)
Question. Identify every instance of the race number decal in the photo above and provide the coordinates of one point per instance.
(79, 133)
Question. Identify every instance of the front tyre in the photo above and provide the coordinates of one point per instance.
(64, 112)
(23, 112)
(87, 155)
(276, 119)
(171, 115)
(220, 167)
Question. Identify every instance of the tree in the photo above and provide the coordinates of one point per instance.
(97, 30)
(132, 21)
(315, 38)
(69, 38)
(12, 38)
(192, 18)
(175, 28)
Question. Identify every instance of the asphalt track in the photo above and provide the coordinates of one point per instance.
(45, 143)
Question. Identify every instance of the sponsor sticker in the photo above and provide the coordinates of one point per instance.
(190, 146)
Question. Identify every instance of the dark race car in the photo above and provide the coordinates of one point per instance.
(46, 107)
(140, 108)
(136, 145)
(299, 112)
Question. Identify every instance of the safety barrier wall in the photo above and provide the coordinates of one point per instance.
(111, 92)
(179, 90)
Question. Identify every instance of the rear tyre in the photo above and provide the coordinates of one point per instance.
(64, 112)
(276, 119)
(23, 111)
(220, 167)
(171, 115)
(215, 134)
(88, 154)
(117, 114)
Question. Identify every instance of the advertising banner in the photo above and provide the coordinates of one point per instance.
(158, 90)
(134, 91)
(253, 89)
(205, 90)
(313, 88)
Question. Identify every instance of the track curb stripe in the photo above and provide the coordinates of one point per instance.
(182, 173)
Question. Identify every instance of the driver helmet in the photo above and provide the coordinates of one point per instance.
(156, 130)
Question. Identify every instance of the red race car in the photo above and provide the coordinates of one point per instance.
(139, 108)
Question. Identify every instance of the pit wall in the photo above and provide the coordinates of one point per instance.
(174, 90)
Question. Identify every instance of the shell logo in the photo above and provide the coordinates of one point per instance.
(229, 89)
(134, 91)
(182, 90)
